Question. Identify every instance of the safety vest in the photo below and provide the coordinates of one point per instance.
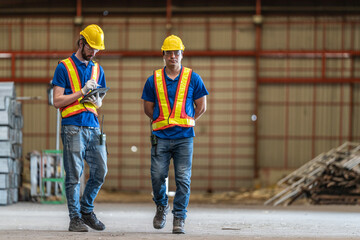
(177, 115)
(77, 107)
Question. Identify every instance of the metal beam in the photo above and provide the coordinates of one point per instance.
(321, 80)
(249, 53)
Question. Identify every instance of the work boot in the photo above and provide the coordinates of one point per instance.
(91, 220)
(77, 225)
(160, 216)
(178, 226)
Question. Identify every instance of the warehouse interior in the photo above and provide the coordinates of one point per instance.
(282, 79)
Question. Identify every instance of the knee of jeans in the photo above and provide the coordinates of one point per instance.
(158, 176)
(184, 173)
(72, 179)
(100, 174)
(183, 178)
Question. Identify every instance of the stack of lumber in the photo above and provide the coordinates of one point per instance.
(337, 185)
(330, 178)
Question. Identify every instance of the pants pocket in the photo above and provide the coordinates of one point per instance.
(72, 138)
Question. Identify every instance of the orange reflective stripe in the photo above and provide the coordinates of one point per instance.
(76, 107)
(178, 113)
(181, 93)
(95, 72)
(161, 125)
(164, 105)
(162, 94)
(73, 74)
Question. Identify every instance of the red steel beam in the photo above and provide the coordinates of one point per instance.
(249, 53)
(25, 80)
(291, 80)
(168, 17)
(78, 8)
(352, 67)
(281, 54)
(258, 31)
(287, 96)
(309, 80)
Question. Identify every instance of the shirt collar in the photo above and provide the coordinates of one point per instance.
(177, 77)
(78, 62)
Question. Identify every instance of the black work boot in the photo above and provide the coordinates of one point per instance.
(178, 226)
(77, 225)
(160, 216)
(91, 220)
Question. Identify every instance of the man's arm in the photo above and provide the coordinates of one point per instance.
(61, 100)
(200, 107)
(149, 109)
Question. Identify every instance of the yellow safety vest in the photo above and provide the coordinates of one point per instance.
(77, 107)
(177, 115)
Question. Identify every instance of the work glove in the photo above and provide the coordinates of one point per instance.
(89, 85)
(96, 100)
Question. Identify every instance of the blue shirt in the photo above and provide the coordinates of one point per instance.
(61, 79)
(196, 90)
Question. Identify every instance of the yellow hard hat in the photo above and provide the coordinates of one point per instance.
(94, 36)
(172, 43)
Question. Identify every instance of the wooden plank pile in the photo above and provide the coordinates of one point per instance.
(330, 178)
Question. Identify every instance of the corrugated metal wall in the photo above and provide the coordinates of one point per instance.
(295, 121)
(299, 121)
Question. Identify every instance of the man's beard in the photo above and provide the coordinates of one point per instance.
(86, 58)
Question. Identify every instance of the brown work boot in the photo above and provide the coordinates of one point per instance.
(178, 226)
(160, 216)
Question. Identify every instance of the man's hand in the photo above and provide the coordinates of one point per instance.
(90, 85)
(96, 100)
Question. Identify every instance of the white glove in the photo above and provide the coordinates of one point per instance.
(96, 100)
(89, 85)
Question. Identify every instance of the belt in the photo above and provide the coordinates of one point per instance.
(88, 127)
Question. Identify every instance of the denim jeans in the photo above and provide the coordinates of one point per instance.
(181, 151)
(82, 143)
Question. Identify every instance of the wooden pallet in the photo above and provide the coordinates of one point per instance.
(307, 179)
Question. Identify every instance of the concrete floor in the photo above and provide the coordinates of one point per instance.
(134, 221)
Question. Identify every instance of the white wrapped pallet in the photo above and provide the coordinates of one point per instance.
(17, 108)
(11, 123)
(6, 103)
(18, 122)
(7, 134)
(5, 197)
(14, 195)
(18, 136)
(7, 117)
(15, 180)
(5, 180)
(6, 165)
(7, 149)
(17, 150)
(16, 173)
(17, 166)
(7, 89)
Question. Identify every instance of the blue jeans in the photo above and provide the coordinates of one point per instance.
(181, 151)
(82, 143)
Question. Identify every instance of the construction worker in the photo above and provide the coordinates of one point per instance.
(174, 98)
(74, 77)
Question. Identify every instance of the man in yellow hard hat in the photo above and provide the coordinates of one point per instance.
(74, 77)
(174, 98)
